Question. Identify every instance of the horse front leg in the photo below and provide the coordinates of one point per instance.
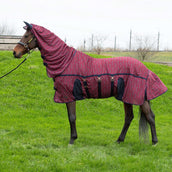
(71, 108)
(128, 118)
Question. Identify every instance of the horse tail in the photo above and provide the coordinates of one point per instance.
(143, 128)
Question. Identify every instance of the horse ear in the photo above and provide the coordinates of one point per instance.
(29, 26)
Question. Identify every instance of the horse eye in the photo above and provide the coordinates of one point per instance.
(26, 36)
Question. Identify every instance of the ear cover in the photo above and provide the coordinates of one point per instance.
(28, 26)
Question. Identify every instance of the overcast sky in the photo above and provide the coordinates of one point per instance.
(78, 19)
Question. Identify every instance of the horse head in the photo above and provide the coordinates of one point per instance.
(27, 42)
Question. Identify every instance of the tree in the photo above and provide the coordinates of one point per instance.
(97, 43)
(99, 40)
(145, 47)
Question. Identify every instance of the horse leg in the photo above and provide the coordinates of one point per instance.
(71, 108)
(146, 109)
(128, 118)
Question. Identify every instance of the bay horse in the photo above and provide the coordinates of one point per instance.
(78, 76)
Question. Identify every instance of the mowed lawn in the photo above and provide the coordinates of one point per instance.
(34, 131)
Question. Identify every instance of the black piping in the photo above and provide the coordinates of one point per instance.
(88, 76)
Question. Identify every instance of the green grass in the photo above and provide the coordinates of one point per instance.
(34, 131)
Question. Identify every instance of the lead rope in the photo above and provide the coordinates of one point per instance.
(17, 65)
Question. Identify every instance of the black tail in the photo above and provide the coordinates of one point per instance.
(143, 128)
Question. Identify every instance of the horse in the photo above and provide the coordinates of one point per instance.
(78, 76)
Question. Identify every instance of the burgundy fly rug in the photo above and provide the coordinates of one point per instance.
(78, 76)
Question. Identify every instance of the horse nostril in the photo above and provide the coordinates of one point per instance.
(14, 53)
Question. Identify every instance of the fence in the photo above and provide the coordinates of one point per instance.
(7, 42)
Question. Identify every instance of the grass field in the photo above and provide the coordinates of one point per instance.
(34, 131)
(156, 56)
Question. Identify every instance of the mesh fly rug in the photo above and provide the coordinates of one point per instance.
(78, 76)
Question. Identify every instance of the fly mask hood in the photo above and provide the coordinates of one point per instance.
(55, 52)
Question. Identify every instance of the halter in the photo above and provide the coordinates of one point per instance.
(26, 45)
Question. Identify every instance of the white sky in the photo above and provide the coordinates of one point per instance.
(78, 19)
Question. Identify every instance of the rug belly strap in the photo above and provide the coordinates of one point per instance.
(99, 87)
(112, 86)
(86, 88)
(77, 90)
(120, 88)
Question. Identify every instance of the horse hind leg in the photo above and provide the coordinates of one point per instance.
(150, 117)
(128, 118)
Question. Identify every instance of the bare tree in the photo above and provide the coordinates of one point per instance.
(145, 47)
(96, 43)
(6, 30)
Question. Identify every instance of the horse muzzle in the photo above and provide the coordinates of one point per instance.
(17, 55)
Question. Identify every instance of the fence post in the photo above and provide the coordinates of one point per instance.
(115, 44)
(130, 40)
(158, 41)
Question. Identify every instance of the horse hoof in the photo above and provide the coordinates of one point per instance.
(70, 145)
(154, 144)
(119, 141)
